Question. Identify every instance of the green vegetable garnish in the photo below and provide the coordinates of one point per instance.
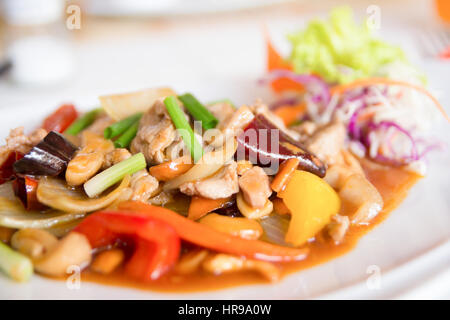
(14, 264)
(125, 139)
(120, 127)
(85, 121)
(114, 174)
(198, 111)
(184, 129)
(339, 50)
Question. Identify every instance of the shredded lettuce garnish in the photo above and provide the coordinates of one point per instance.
(340, 50)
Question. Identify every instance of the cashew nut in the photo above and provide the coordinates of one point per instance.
(33, 243)
(224, 263)
(73, 249)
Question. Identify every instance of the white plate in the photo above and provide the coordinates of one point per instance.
(410, 248)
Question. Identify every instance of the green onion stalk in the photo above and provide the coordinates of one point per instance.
(105, 179)
(121, 126)
(14, 264)
(198, 111)
(83, 122)
(184, 128)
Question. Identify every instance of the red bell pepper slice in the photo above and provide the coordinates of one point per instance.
(206, 237)
(156, 245)
(61, 119)
(6, 168)
(25, 189)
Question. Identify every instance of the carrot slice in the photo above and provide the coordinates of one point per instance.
(290, 114)
(171, 169)
(284, 174)
(274, 62)
(373, 81)
(200, 206)
(207, 237)
(279, 207)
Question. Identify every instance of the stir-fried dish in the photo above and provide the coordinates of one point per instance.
(163, 190)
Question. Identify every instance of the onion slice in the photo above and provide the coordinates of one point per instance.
(56, 194)
(14, 215)
(209, 164)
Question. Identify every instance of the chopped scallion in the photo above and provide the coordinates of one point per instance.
(198, 111)
(14, 264)
(121, 126)
(184, 129)
(125, 139)
(83, 122)
(222, 101)
(114, 174)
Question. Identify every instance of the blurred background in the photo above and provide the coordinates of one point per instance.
(63, 50)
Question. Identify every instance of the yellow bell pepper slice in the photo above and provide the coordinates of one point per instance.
(311, 202)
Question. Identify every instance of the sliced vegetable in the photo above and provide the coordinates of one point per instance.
(198, 111)
(156, 244)
(25, 189)
(311, 202)
(49, 157)
(56, 194)
(6, 168)
(209, 164)
(251, 212)
(290, 114)
(121, 126)
(114, 174)
(120, 106)
(83, 122)
(207, 237)
(380, 81)
(184, 128)
(14, 264)
(201, 206)
(340, 50)
(276, 62)
(14, 215)
(171, 169)
(61, 119)
(258, 147)
(284, 174)
(279, 207)
(241, 227)
(125, 139)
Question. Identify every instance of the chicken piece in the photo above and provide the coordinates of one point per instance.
(221, 110)
(225, 263)
(115, 156)
(360, 199)
(222, 184)
(327, 142)
(242, 166)
(156, 132)
(345, 166)
(338, 227)
(231, 126)
(100, 124)
(143, 186)
(18, 141)
(255, 187)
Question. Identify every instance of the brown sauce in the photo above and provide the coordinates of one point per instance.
(393, 185)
